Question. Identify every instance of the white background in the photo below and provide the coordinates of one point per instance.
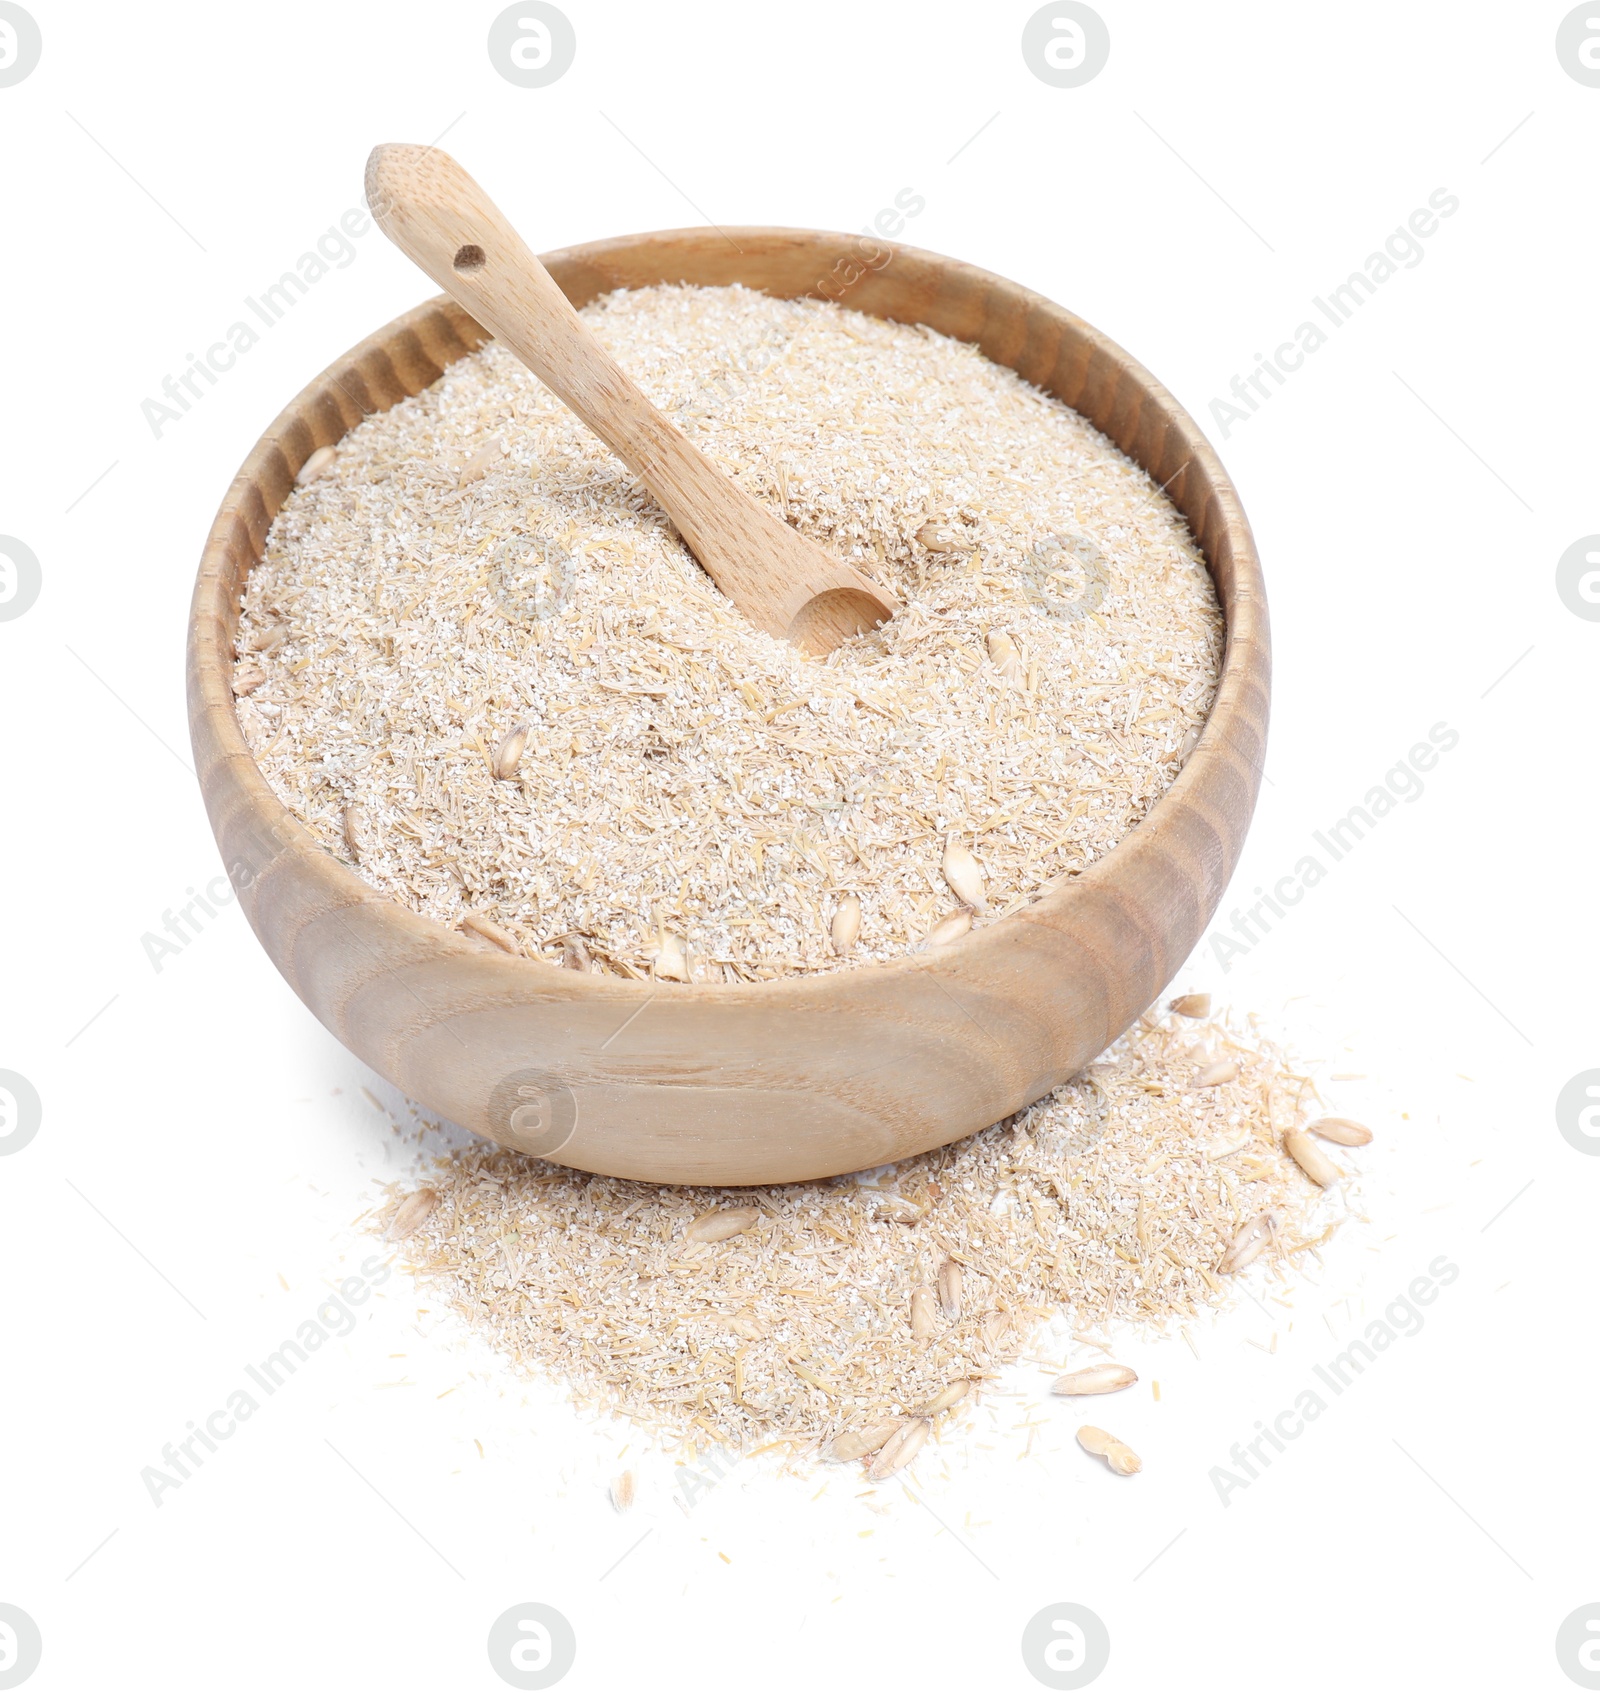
(205, 1145)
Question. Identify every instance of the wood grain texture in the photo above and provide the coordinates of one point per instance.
(438, 216)
(756, 1082)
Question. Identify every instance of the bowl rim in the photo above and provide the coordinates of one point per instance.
(283, 448)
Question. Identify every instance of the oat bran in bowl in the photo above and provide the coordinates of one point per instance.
(838, 1063)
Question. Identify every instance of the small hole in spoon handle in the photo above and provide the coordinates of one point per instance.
(468, 258)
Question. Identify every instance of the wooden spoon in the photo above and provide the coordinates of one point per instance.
(437, 215)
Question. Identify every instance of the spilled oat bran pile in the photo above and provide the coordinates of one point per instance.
(1112, 1203)
(694, 798)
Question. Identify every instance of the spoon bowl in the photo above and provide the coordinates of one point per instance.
(805, 1076)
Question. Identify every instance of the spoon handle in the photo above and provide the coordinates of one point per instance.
(440, 218)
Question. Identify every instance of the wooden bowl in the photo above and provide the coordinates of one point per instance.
(754, 1082)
